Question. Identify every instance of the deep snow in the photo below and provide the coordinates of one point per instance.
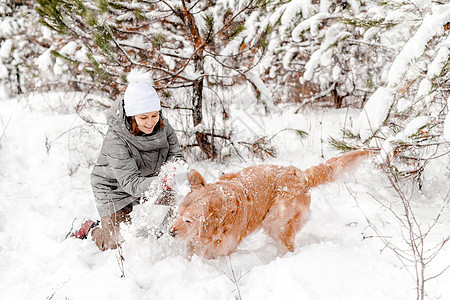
(46, 156)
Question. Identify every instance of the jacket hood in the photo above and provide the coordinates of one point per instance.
(115, 117)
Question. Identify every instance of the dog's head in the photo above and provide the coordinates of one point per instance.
(206, 217)
(190, 212)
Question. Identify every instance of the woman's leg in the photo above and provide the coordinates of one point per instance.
(108, 236)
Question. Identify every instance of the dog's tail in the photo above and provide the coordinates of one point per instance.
(332, 168)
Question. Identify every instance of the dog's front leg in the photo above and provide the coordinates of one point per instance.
(189, 250)
(282, 250)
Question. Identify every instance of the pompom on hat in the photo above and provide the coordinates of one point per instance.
(140, 97)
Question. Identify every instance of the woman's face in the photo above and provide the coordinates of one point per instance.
(146, 122)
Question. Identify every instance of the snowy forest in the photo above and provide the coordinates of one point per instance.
(243, 82)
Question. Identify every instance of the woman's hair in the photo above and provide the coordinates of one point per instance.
(134, 127)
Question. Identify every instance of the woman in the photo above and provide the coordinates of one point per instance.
(138, 142)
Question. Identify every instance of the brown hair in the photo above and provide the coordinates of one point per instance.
(134, 127)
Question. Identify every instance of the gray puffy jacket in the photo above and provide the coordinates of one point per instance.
(126, 162)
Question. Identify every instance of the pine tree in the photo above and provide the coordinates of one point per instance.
(325, 51)
(414, 94)
(16, 20)
(189, 45)
(25, 62)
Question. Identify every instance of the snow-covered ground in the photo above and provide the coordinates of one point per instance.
(46, 156)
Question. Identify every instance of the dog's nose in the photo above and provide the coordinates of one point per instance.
(172, 232)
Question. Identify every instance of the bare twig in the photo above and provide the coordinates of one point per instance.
(115, 235)
(234, 279)
(5, 125)
(413, 231)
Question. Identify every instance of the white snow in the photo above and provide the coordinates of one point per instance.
(375, 112)
(436, 66)
(289, 10)
(312, 64)
(425, 87)
(323, 56)
(266, 96)
(135, 41)
(288, 57)
(69, 49)
(308, 24)
(47, 152)
(415, 124)
(3, 71)
(5, 49)
(44, 61)
(7, 27)
(403, 64)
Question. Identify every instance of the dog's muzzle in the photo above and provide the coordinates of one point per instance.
(172, 232)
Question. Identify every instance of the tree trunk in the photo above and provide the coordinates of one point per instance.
(336, 98)
(197, 98)
(197, 102)
(19, 87)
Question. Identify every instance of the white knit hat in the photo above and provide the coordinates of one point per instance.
(140, 96)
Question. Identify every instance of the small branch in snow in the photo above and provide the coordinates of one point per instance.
(301, 133)
(115, 236)
(353, 41)
(234, 279)
(318, 96)
(415, 232)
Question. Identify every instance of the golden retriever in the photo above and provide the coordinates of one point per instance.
(214, 218)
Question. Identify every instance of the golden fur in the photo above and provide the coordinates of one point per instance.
(214, 218)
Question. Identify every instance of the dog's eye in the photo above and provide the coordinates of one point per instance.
(187, 220)
(218, 241)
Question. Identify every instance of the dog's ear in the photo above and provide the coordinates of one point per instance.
(195, 179)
